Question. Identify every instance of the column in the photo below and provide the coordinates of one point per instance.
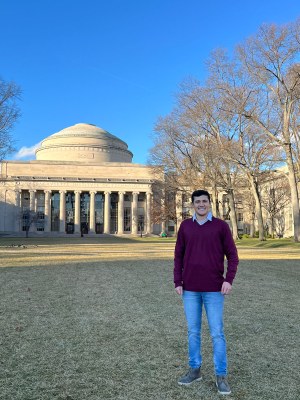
(178, 205)
(77, 227)
(47, 227)
(32, 200)
(107, 212)
(18, 210)
(62, 211)
(134, 213)
(148, 212)
(92, 212)
(121, 213)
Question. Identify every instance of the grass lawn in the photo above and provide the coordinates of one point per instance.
(89, 319)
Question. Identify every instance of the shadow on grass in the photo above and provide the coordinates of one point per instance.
(54, 241)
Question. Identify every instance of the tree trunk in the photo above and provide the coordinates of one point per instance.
(258, 208)
(252, 228)
(232, 214)
(294, 193)
(215, 202)
(272, 227)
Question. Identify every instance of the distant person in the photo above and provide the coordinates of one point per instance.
(202, 243)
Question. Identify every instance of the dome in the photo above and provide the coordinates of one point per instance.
(84, 143)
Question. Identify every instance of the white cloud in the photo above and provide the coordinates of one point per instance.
(26, 152)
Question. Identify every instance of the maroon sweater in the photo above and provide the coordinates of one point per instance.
(199, 256)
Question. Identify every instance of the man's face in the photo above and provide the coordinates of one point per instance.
(201, 206)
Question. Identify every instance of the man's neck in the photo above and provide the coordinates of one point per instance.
(201, 217)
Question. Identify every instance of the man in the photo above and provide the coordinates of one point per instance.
(202, 243)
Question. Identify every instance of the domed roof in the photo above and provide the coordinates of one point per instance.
(84, 142)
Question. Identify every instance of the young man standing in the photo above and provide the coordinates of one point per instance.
(202, 243)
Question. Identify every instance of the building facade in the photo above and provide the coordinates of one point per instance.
(83, 181)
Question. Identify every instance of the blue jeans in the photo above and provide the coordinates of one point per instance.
(214, 304)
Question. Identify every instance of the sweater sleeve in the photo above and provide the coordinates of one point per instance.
(178, 259)
(231, 254)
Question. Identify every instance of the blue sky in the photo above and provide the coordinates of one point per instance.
(116, 64)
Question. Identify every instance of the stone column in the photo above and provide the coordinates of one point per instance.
(77, 226)
(62, 211)
(148, 212)
(47, 227)
(107, 212)
(178, 204)
(121, 213)
(18, 213)
(32, 200)
(134, 213)
(92, 212)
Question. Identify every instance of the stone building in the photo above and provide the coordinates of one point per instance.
(83, 181)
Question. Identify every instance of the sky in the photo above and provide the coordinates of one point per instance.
(116, 64)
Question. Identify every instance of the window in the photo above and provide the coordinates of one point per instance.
(141, 197)
(99, 213)
(55, 198)
(127, 219)
(141, 219)
(114, 213)
(26, 195)
(25, 200)
(127, 197)
(25, 221)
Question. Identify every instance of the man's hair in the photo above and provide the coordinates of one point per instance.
(200, 192)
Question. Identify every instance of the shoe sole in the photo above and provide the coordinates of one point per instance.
(188, 384)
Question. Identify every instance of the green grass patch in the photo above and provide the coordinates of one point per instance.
(268, 244)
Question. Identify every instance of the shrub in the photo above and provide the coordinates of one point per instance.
(244, 236)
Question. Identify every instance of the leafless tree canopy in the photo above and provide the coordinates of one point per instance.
(9, 113)
(242, 123)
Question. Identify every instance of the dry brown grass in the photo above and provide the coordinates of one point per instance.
(99, 320)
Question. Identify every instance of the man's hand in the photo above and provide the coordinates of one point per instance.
(179, 290)
(226, 288)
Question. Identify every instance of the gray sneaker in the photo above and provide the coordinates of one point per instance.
(222, 385)
(193, 374)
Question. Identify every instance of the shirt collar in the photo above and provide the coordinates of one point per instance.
(208, 217)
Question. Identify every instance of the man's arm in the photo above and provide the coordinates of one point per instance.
(178, 260)
(231, 254)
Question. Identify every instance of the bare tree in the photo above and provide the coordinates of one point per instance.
(262, 84)
(275, 198)
(233, 143)
(9, 113)
(191, 159)
(246, 118)
(28, 218)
